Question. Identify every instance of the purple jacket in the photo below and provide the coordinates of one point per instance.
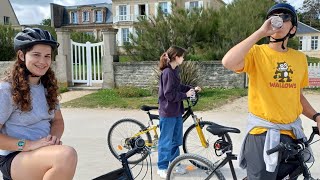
(171, 93)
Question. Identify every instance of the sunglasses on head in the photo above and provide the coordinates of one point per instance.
(284, 17)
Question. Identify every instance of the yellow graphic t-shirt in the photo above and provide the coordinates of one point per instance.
(275, 81)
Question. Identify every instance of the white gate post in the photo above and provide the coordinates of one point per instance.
(110, 55)
(89, 66)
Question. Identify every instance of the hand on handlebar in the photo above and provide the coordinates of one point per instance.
(198, 89)
(190, 93)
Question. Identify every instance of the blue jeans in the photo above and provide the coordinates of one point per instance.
(171, 136)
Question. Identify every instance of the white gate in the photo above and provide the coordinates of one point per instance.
(86, 62)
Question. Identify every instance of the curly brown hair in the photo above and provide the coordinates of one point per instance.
(18, 78)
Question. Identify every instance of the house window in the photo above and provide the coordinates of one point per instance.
(300, 43)
(194, 4)
(85, 16)
(122, 12)
(6, 20)
(74, 18)
(125, 35)
(98, 16)
(164, 7)
(314, 42)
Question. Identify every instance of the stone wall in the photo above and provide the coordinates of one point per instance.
(5, 65)
(142, 74)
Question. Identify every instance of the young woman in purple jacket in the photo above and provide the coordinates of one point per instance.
(171, 95)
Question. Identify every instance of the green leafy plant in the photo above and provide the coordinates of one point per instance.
(7, 34)
(189, 74)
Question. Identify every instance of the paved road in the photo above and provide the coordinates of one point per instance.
(86, 131)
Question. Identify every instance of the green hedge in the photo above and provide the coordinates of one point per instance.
(7, 34)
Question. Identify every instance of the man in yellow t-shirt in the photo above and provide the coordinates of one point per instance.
(277, 75)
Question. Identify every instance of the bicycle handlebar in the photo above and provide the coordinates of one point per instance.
(293, 146)
(139, 146)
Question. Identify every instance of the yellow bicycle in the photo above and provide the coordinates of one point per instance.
(195, 139)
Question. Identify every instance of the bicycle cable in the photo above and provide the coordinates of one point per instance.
(314, 141)
(142, 164)
(150, 166)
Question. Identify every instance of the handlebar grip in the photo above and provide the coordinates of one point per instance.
(139, 145)
(276, 149)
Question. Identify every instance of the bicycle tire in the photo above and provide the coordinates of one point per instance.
(191, 138)
(126, 128)
(193, 172)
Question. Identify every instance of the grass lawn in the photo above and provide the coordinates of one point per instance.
(134, 98)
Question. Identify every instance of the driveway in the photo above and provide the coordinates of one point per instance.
(86, 130)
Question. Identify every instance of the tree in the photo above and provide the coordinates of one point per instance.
(46, 22)
(185, 28)
(310, 13)
(240, 19)
(82, 37)
(6, 43)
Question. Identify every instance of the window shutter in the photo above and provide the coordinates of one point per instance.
(116, 19)
(136, 12)
(129, 16)
(170, 7)
(70, 17)
(82, 16)
(187, 5)
(304, 43)
(200, 4)
(130, 32)
(156, 9)
(119, 37)
(147, 10)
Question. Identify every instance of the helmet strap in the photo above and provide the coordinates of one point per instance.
(281, 39)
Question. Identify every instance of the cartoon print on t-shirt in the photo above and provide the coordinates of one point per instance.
(283, 72)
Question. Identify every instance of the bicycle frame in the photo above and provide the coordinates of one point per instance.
(186, 115)
(228, 159)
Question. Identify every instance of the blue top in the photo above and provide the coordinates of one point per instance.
(32, 125)
(171, 93)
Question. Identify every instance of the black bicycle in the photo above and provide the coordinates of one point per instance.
(297, 150)
(222, 146)
(125, 172)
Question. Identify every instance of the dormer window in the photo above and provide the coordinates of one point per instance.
(74, 17)
(98, 15)
(85, 16)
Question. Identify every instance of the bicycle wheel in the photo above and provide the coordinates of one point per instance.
(193, 172)
(119, 135)
(192, 144)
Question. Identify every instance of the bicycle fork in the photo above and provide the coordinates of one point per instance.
(197, 121)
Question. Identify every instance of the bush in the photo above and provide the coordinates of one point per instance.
(189, 74)
(7, 34)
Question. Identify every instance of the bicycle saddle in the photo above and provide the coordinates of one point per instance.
(219, 130)
(148, 108)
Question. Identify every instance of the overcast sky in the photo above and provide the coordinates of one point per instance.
(34, 11)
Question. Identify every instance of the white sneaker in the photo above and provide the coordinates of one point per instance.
(180, 169)
(162, 173)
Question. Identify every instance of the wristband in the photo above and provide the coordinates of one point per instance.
(315, 116)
